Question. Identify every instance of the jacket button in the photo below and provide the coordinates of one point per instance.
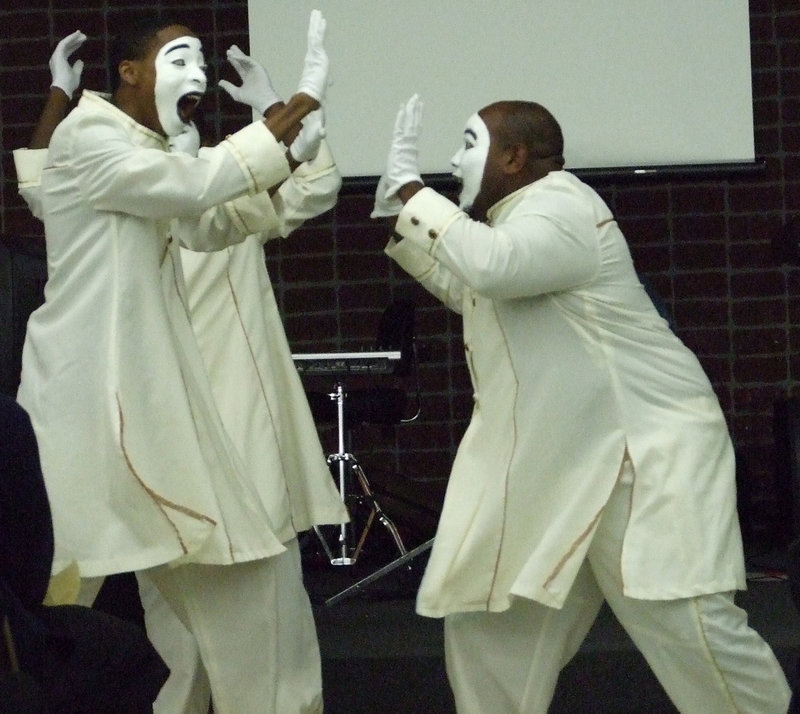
(432, 234)
(414, 221)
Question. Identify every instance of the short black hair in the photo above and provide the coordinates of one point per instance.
(133, 42)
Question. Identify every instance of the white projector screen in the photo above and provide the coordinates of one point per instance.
(634, 83)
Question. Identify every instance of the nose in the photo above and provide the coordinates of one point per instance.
(455, 162)
(198, 77)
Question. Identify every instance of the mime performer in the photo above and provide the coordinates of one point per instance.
(141, 471)
(253, 377)
(597, 463)
(186, 690)
(236, 319)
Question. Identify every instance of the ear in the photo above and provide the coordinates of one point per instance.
(129, 72)
(515, 157)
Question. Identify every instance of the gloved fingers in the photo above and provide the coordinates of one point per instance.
(67, 76)
(400, 122)
(229, 87)
(67, 45)
(315, 122)
(317, 25)
(412, 116)
(256, 88)
(408, 120)
(416, 114)
(306, 145)
(241, 62)
(383, 206)
(314, 79)
(234, 53)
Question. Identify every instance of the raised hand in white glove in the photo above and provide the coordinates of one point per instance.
(256, 89)
(67, 76)
(385, 207)
(305, 147)
(314, 80)
(187, 142)
(402, 164)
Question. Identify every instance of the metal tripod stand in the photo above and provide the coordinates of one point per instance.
(352, 536)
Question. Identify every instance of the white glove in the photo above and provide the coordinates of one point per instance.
(256, 89)
(314, 79)
(187, 142)
(305, 147)
(402, 165)
(385, 206)
(67, 76)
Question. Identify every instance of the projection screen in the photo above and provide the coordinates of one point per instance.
(634, 83)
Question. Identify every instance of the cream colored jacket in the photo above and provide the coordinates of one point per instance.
(571, 366)
(138, 466)
(255, 383)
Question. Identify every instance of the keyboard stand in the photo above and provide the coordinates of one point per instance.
(346, 464)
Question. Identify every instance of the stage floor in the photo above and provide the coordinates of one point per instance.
(379, 656)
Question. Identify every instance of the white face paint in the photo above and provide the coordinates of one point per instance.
(469, 161)
(180, 71)
(187, 142)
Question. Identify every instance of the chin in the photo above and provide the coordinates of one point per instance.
(467, 206)
(478, 213)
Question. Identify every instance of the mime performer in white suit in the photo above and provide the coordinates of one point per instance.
(149, 367)
(244, 345)
(236, 319)
(597, 463)
(238, 326)
(186, 690)
(241, 337)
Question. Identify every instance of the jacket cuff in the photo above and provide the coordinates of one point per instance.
(253, 214)
(410, 257)
(426, 217)
(260, 156)
(29, 164)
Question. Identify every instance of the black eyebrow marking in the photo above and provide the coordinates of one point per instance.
(471, 133)
(177, 47)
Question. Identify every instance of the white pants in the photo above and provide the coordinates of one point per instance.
(255, 632)
(187, 690)
(701, 649)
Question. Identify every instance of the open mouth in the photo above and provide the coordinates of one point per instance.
(187, 105)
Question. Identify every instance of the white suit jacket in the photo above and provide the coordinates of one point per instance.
(138, 466)
(255, 383)
(571, 366)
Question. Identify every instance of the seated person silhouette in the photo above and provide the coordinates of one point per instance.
(56, 658)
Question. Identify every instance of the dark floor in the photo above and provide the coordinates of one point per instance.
(380, 657)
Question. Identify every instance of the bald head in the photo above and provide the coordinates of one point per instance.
(525, 144)
(529, 124)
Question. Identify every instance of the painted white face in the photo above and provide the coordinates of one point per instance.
(187, 142)
(469, 161)
(180, 82)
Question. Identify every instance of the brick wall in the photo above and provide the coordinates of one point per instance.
(705, 245)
